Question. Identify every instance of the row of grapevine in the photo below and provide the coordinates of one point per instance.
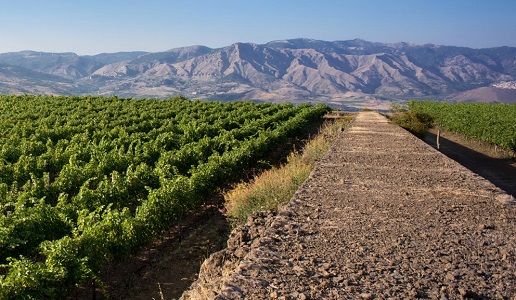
(491, 123)
(90, 180)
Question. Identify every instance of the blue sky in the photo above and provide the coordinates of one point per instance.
(97, 26)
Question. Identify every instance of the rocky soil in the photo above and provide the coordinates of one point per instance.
(382, 216)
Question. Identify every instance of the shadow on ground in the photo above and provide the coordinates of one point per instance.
(500, 171)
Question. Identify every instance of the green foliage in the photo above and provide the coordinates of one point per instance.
(417, 123)
(491, 123)
(24, 229)
(397, 107)
(88, 180)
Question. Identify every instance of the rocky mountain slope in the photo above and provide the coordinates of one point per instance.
(289, 70)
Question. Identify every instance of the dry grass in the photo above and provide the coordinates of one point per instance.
(277, 185)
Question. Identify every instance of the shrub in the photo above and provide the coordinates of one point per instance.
(417, 123)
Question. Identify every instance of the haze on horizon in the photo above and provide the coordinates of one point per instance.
(93, 27)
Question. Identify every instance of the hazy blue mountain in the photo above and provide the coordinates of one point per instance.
(19, 80)
(285, 70)
(67, 65)
(109, 58)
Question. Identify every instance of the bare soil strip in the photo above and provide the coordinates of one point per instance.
(383, 215)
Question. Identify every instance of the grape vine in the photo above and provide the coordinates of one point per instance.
(87, 180)
(491, 123)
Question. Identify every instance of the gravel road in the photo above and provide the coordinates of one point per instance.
(382, 216)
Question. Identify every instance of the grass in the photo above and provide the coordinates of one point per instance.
(277, 185)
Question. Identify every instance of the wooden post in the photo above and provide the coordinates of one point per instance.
(93, 290)
(179, 229)
(438, 138)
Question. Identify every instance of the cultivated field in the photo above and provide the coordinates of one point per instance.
(88, 181)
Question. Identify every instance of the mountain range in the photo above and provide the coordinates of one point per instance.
(338, 72)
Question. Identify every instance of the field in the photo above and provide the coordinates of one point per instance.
(90, 180)
(491, 123)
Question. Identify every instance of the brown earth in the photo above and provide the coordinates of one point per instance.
(382, 216)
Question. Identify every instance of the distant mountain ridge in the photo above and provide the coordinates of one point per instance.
(284, 70)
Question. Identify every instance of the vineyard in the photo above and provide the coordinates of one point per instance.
(491, 123)
(86, 181)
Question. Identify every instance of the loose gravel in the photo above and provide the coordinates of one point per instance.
(382, 216)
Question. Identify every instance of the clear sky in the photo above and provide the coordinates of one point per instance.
(97, 26)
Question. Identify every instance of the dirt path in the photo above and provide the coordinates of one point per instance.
(382, 216)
